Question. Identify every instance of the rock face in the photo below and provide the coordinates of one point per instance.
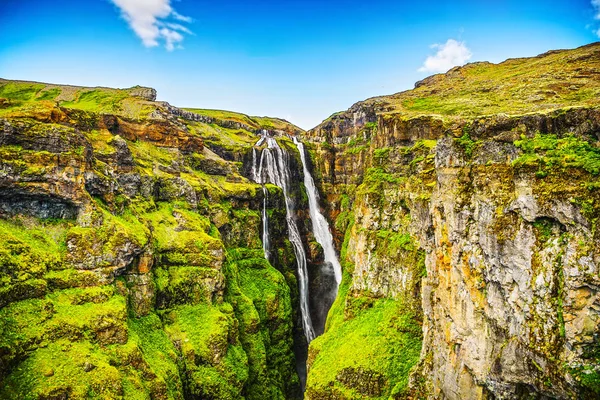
(465, 213)
(130, 257)
(483, 233)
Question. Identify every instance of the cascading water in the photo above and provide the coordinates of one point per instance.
(325, 279)
(265, 225)
(273, 167)
(265, 219)
(319, 223)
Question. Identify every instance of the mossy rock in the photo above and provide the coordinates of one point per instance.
(342, 365)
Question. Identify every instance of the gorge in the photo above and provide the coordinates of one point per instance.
(438, 243)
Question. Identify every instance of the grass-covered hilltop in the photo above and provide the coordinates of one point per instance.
(464, 212)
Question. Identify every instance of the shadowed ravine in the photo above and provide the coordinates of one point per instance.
(271, 165)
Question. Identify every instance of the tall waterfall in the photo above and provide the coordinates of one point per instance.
(319, 223)
(273, 167)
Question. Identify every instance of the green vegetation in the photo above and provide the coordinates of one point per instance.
(98, 100)
(375, 176)
(381, 155)
(549, 152)
(396, 241)
(158, 287)
(374, 181)
(261, 299)
(30, 98)
(368, 355)
(215, 363)
(20, 91)
(164, 293)
(251, 122)
(548, 82)
(467, 144)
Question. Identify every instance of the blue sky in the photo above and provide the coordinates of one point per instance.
(299, 60)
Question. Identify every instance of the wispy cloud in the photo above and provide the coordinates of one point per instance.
(596, 5)
(449, 54)
(149, 19)
(180, 17)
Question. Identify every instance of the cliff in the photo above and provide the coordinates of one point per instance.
(130, 253)
(466, 215)
(464, 212)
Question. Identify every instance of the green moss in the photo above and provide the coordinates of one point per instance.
(109, 239)
(158, 352)
(59, 371)
(589, 379)
(544, 228)
(261, 299)
(104, 322)
(29, 248)
(374, 176)
(467, 144)
(215, 362)
(381, 155)
(396, 241)
(371, 126)
(374, 181)
(58, 284)
(357, 149)
(49, 94)
(181, 237)
(76, 321)
(186, 285)
(549, 152)
(336, 312)
(344, 366)
(70, 278)
(148, 155)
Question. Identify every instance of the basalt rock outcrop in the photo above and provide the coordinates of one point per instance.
(473, 214)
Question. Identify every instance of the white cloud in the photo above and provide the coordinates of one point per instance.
(178, 27)
(596, 5)
(180, 17)
(149, 20)
(171, 38)
(448, 55)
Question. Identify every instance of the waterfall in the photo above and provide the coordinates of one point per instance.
(265, 224)
(273, 167)
(265, 219)
(320, 226)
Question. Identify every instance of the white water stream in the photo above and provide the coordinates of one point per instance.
(273, 167)
(320, 226)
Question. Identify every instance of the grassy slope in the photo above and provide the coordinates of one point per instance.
(101, 100)
(254, 122)
(553, 80)
(123, 102)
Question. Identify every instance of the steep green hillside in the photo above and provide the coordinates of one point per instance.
(131, 264)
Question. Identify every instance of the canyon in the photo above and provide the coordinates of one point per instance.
(436, 243)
